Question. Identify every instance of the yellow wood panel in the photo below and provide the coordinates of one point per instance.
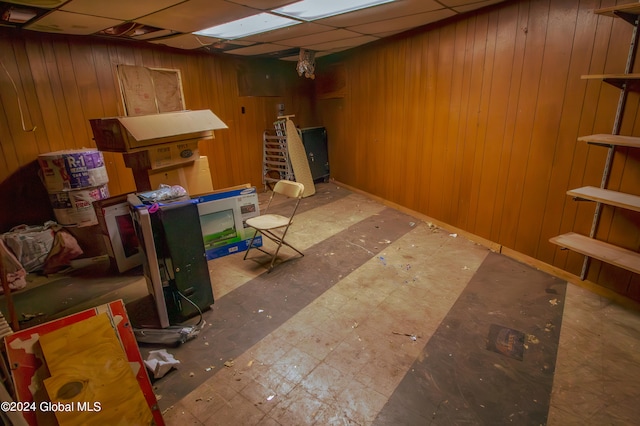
(88, 366)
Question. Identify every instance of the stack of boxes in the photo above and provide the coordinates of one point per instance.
(74, 179)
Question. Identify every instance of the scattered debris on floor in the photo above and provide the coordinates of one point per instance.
(160, 362)
(453, 235)
(229, 363)
(553, 302)
(383, 260)
(29, 317)
(412, 336)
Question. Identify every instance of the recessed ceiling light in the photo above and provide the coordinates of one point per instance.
(255, 24)
(309, 10)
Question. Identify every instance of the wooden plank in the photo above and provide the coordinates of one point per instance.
(631, 8)
(606, 196)
(632, 81)
(88, 366)
(617, 140)
(600, 250)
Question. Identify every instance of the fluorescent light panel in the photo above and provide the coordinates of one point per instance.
(250, 25)
(309, 10)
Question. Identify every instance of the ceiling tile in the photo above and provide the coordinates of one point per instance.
(263, 4)
(126, 10)
(404, 23)
(295, 58)
(258, 49)
(319, 38)
(391, 10)
(71, 23)
(155, 34)
(294, 31)
(186, 41)
(341, 44)
(45, 4)
(454, 3)
(195, 15)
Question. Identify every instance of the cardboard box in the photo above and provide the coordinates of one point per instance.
(194, 177)
(119, 234)
(223, 218)
(125, 134)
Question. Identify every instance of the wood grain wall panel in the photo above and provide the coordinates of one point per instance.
(524, 125)
(443, 96)
(489, 40)
(458, 126)
(482, 194)
(502, 104)
(503, 114)
(468, 198)
(516, 23)
(553, 80)
(63, 81)
(413, 82)
(558, 205)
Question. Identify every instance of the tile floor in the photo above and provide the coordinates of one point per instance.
(386, 321)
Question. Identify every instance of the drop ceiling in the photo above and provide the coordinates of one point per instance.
(172, 22)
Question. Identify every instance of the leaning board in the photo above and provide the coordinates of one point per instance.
(298, 157)
(89, 367)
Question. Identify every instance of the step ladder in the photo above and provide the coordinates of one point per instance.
(275, 156)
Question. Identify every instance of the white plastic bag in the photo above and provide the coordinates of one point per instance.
(31, 244)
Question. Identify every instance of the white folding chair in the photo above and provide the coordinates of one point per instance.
(275, 226)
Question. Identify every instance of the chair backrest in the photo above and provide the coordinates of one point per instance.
(289, 188)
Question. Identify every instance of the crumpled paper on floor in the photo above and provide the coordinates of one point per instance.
(159, 362)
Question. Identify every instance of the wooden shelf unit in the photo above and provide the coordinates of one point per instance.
(631, 81)
(611, 140)
(600, 250)
(627, 82)
(606, 196)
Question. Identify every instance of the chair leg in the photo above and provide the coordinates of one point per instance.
(250, 244)
(275, 255)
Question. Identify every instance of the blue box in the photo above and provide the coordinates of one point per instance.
(223, 218)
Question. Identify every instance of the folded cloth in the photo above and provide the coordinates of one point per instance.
(16, 274)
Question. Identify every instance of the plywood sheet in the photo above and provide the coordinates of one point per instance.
(88, 366)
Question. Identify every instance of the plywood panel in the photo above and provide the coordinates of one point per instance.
(88, 366)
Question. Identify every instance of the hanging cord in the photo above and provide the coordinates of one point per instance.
(15, 89)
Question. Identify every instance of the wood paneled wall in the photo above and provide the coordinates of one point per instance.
(63, 81)
(474, 122)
